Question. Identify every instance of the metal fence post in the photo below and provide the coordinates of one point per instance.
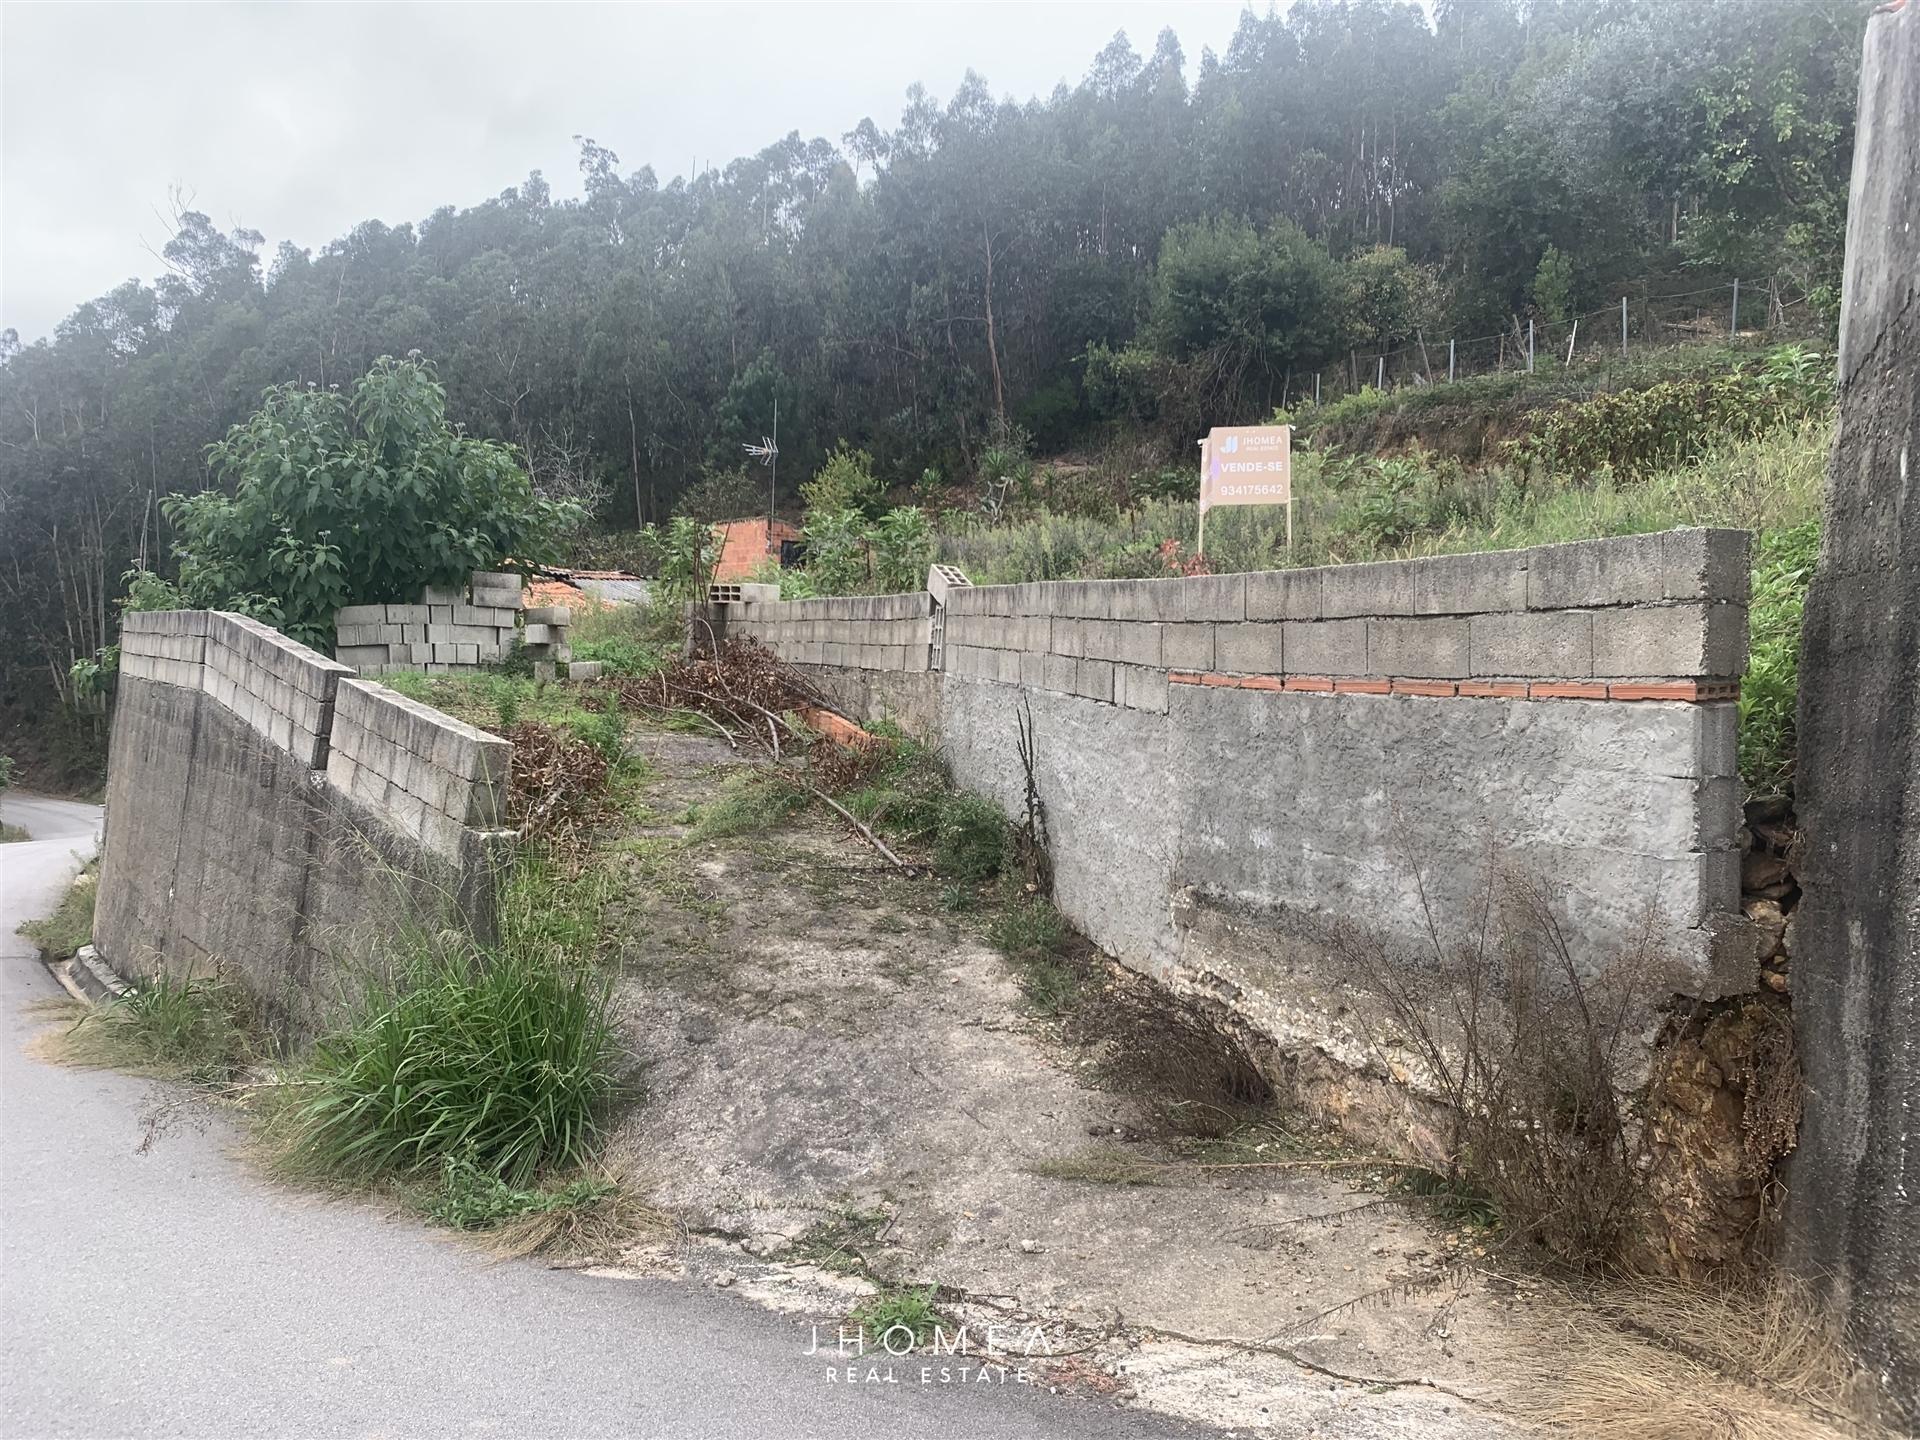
(1733, 320)
(1529, 344)
(1449, 362)
(1380, 375)
(1623, 327)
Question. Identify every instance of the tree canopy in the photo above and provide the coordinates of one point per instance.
(1347, 172)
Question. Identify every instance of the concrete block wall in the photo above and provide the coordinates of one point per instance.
(271, 816)
(1229, 764)
(433, 776)
(856, 632)
(446, 630)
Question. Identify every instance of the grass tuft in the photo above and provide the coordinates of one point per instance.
(169, 1029)
(61, 934)
(899, 1308)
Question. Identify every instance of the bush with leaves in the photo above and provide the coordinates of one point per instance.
(836, 551)
(342, 499)
(902, 545)
(845, 482)
(681, 552)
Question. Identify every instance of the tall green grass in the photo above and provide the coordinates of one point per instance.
(169, 1028)
(502, 1055)
(1783, 568)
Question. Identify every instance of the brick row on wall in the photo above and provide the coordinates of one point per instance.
(427, 774)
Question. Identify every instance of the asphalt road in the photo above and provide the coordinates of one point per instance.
(175, 1293)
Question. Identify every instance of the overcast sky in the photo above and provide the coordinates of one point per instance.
(301, 120)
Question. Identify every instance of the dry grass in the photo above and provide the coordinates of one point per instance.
(599, 1229)
(1670, 1362)
(1101, 1165)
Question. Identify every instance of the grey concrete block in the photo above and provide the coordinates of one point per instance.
(1324, 647)
(1707, 564)
(1283, 595)
(1621, 570)
(536, 615)
(1558, 644)
(358, 655)
(1683, 639)
(1147, 600)
(1131, 642)
(1382, 588)
(1094, 679)
(359, 615)
(1086, 599)
(415, 614)
(1248, 648)
(1187, 646)
(1140, 688)
(1211, 597)
(1433, 648)
(544, 634)
(496, 580)
(1061, 673)
(584, 670)
(1470, 584)
(440, 615)
(441, 595)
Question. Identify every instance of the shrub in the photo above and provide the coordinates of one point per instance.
(604, 729)
(338, 499)
(902, 543)
(845, 482)
(906, 793)
(836, 551)
(1783, 568)
(971, 839)
(503, 1055)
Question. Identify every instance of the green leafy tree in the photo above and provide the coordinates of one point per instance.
(344, 499)
(1553, 286)
(836, 551)
(902, 543)
(845, 482)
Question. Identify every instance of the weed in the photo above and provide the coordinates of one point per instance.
(958, 899)
(840, 1244)
(889, 1317)
(970, 842)
(12, 835)
(754, 801)
(508, 694)
(470, 1198)
(70, 926)
(506, 1054)
(604, 729)
(1783, 568)
(1101, 1165)
(168, 1028)
(906, 792)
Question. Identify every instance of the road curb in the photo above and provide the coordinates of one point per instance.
(88, 974)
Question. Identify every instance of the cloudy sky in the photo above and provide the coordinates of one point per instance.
(301, 120)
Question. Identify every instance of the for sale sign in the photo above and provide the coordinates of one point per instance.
(1247, 465)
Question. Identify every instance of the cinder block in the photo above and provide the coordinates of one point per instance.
(539, 615)
(1470, 584)
(358, 655)
(1559, 644)
(1146, 600)
(359, 615)
(1427, 649)
(466, 653)
(1094, 679)
(1210, 597)
(439, 615)
(1382, 588)
(1323, 647)
(1685, 639)
(1140, 688)
(1187, 646)
(442, 595)
(1707, 564)
(1131, 642)
(1283, 595)
(1060, 673)
(496, 580)
(1248, 648)
(1620, 570)
(497, 599)
(584, 670)
(1085, 599)
(1068, 636)
(406, 614)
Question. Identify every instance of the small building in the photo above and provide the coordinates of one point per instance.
(746, 545)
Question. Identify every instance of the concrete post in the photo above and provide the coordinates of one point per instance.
(1854, 1194)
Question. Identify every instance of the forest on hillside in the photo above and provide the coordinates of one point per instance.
(1133, 252)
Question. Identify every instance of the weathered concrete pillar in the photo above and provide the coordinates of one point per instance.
(1854, 1210)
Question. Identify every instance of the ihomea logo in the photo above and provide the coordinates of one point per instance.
(995, 1358)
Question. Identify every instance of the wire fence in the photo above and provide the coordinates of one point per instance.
(1734, 313)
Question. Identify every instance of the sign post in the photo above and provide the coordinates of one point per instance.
(1246, 465)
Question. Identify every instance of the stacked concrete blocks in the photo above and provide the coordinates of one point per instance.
(861, 632)
(432, 776)
(447, 630)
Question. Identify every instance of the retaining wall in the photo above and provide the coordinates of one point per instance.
(1230, 765)
(269, 816)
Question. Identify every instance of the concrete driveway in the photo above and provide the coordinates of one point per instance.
(176, 1293)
